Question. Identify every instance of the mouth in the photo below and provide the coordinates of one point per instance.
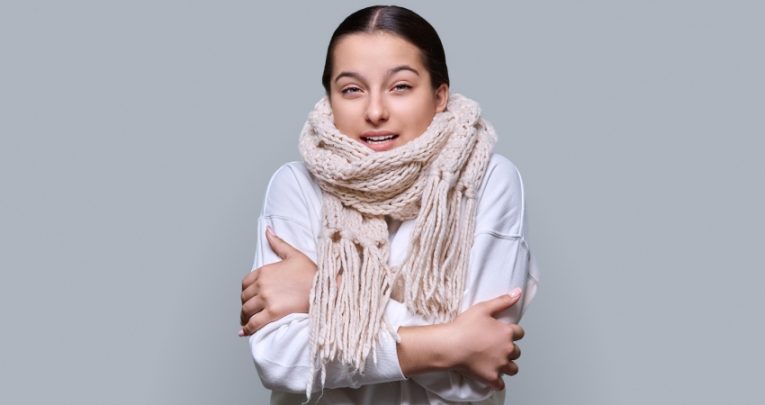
(379, 141)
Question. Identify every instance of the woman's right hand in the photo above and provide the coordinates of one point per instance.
(484, 346)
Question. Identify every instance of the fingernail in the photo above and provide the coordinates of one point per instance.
(241, 333)
(515, 293)
(269, 230)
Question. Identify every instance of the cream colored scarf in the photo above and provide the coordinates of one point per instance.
(433, 179)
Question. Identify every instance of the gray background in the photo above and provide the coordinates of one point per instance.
(138, 137)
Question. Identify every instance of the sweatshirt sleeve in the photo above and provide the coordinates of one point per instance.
(500, 260)
(281, 350)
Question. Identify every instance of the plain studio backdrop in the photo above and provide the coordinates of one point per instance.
(138, 137)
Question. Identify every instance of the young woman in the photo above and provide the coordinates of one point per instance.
(395, 266)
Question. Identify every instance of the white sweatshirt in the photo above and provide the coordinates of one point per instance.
(500, 260)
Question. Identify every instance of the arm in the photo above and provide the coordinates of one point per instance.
(280, 349)
(475, 342)
(500, 261)
(448, 378)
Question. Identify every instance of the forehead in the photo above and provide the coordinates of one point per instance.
(377, 50)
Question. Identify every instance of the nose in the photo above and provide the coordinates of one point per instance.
(377, 110)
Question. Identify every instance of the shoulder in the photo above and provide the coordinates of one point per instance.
(291, 190)
(501, 171)
(501, 200)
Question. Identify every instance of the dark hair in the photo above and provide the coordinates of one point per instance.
(398, 21)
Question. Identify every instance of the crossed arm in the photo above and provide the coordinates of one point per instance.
(462, 360)
(475, 344)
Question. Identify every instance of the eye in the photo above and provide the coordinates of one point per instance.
(401, 87)
(350, 90)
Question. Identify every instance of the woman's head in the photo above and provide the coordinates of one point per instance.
(398, 21)
(385, 76)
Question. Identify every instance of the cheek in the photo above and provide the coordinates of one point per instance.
(343, 118)
(418, 120)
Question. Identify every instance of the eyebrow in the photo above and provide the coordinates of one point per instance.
(390, 72)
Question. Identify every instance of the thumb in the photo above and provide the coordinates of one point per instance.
(282, 249)
(503, 302)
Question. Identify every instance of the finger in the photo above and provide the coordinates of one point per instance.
(278, 245)
(515, 354)
(518, 331)
(502, 302)
(249, 279)
(250, 308)
(510, 368)
(256, 322)
(249, 292)
(499, 384)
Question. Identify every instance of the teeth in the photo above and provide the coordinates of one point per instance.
(379, 138)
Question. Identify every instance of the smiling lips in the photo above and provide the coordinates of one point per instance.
(379, 140)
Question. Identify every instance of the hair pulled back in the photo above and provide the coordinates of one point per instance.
(397, 21)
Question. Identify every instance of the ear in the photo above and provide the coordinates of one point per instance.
(442, 97)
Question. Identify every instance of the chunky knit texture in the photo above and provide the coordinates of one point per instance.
(433, 179)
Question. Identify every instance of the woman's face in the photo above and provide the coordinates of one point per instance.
(380, 91)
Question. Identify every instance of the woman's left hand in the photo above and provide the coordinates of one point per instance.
(278, 289)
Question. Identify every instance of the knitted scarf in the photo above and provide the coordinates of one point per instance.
(432, 179)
